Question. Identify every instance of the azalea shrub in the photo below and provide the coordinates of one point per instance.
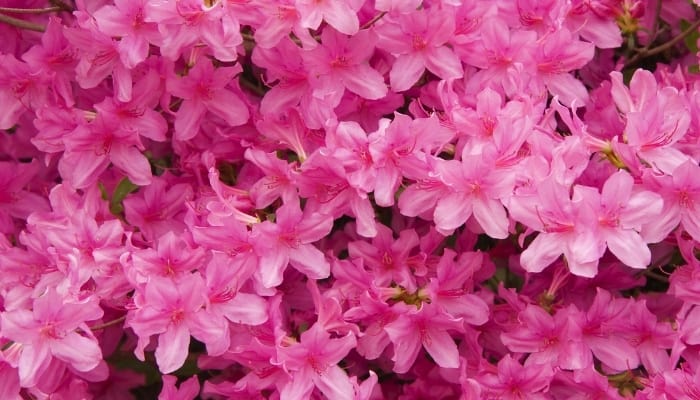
(349, 199)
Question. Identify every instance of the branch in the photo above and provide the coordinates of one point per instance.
(108, 324)
(46, 10)
(373, 20)
(21, 24)
(643, 53)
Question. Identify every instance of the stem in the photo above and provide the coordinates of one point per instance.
(373, 20)
(643, 53)
(21, 24)
(108, 324)
(62, 5)
(46, 10)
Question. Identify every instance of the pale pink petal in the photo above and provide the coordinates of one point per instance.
(491, 215)
(339, 15)
(82, 169)
(567, 88)
(452, 211)
(299, 387)
(444, 63)
(442, 348)
(387, 182)
(629, 248)
(308, 259)
(364, 81)
(364, 217)
(246, 308)
(133, 163)
(80, 352)
(334, 383)
(406, 71)
(31, 362)
(543, 251)
(613, 351)
(228, 106)
(173, 347)
(188, 119)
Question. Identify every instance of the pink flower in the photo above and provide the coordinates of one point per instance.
(656, 118)
(89, 153)
(418, 40)
(289, 240)
(188, 390)
(54, 328)
(621, 211)
(514, 381)
(341, 62)
(184, 23)
(278, 181)
(204, 91)
(550, 340)
(425, 327)
(562, 227)
(681, 195)
(340, 14)
(476, 188)
(313, 362)
(557, 54)
(126, 20)
(173, 311)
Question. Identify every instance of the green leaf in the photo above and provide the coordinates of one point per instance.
(691, 41)
(124, 187)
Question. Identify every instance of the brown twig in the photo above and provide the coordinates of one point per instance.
(108, 324)
(373, 20)
(46, 10)
(21, 24)
(643, 53)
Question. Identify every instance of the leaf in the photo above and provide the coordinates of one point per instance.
(124, 187)
(691, 40)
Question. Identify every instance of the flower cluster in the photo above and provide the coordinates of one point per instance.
(349, 199)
